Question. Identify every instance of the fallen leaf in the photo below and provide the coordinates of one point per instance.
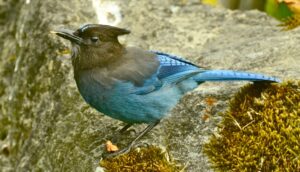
(111, 147)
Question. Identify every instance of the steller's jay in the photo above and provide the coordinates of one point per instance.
(131, 84)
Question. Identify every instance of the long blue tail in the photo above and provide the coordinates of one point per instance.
(229, 75)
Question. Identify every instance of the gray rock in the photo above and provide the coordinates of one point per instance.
(45, 124)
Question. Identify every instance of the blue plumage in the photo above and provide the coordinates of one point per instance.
(133, 85)
(158, 94)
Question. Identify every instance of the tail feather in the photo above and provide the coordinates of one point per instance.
(229, 75)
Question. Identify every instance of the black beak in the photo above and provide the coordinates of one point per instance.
(69, 35)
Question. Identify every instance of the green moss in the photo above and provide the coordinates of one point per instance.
(260, 131)
(291, 22)
(278, 10)
(142, 159)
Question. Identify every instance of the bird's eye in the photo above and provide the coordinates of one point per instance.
(94, 39)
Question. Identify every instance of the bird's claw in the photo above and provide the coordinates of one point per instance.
(117, 153)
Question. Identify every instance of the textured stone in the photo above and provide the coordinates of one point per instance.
(45, 124)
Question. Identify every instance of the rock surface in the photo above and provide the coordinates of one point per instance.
(45, 124)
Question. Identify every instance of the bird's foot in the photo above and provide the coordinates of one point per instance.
(125, 150)
(117, 153)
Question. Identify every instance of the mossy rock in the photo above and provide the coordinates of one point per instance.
(260, 131)
(141, 159)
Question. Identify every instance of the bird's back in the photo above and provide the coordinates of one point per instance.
(143, 86)
(136, 90)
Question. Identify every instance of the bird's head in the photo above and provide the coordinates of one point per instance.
(93, 44)
(95, 35)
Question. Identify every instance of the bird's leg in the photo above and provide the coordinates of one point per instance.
(114, 139)
(128, 148)
(125, 128)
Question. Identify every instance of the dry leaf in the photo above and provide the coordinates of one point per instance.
(111, 147)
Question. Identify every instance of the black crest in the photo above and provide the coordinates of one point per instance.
(103, 31)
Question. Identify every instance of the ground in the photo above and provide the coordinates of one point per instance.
(47, 126)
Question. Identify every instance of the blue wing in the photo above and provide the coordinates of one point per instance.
(173, 70)
(170, 65)
(178, 68)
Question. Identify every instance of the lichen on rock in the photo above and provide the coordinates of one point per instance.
(260, 131)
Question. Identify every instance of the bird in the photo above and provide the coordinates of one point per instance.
(131, 84)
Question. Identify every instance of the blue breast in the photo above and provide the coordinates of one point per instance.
(150, 102)
(126, 102)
